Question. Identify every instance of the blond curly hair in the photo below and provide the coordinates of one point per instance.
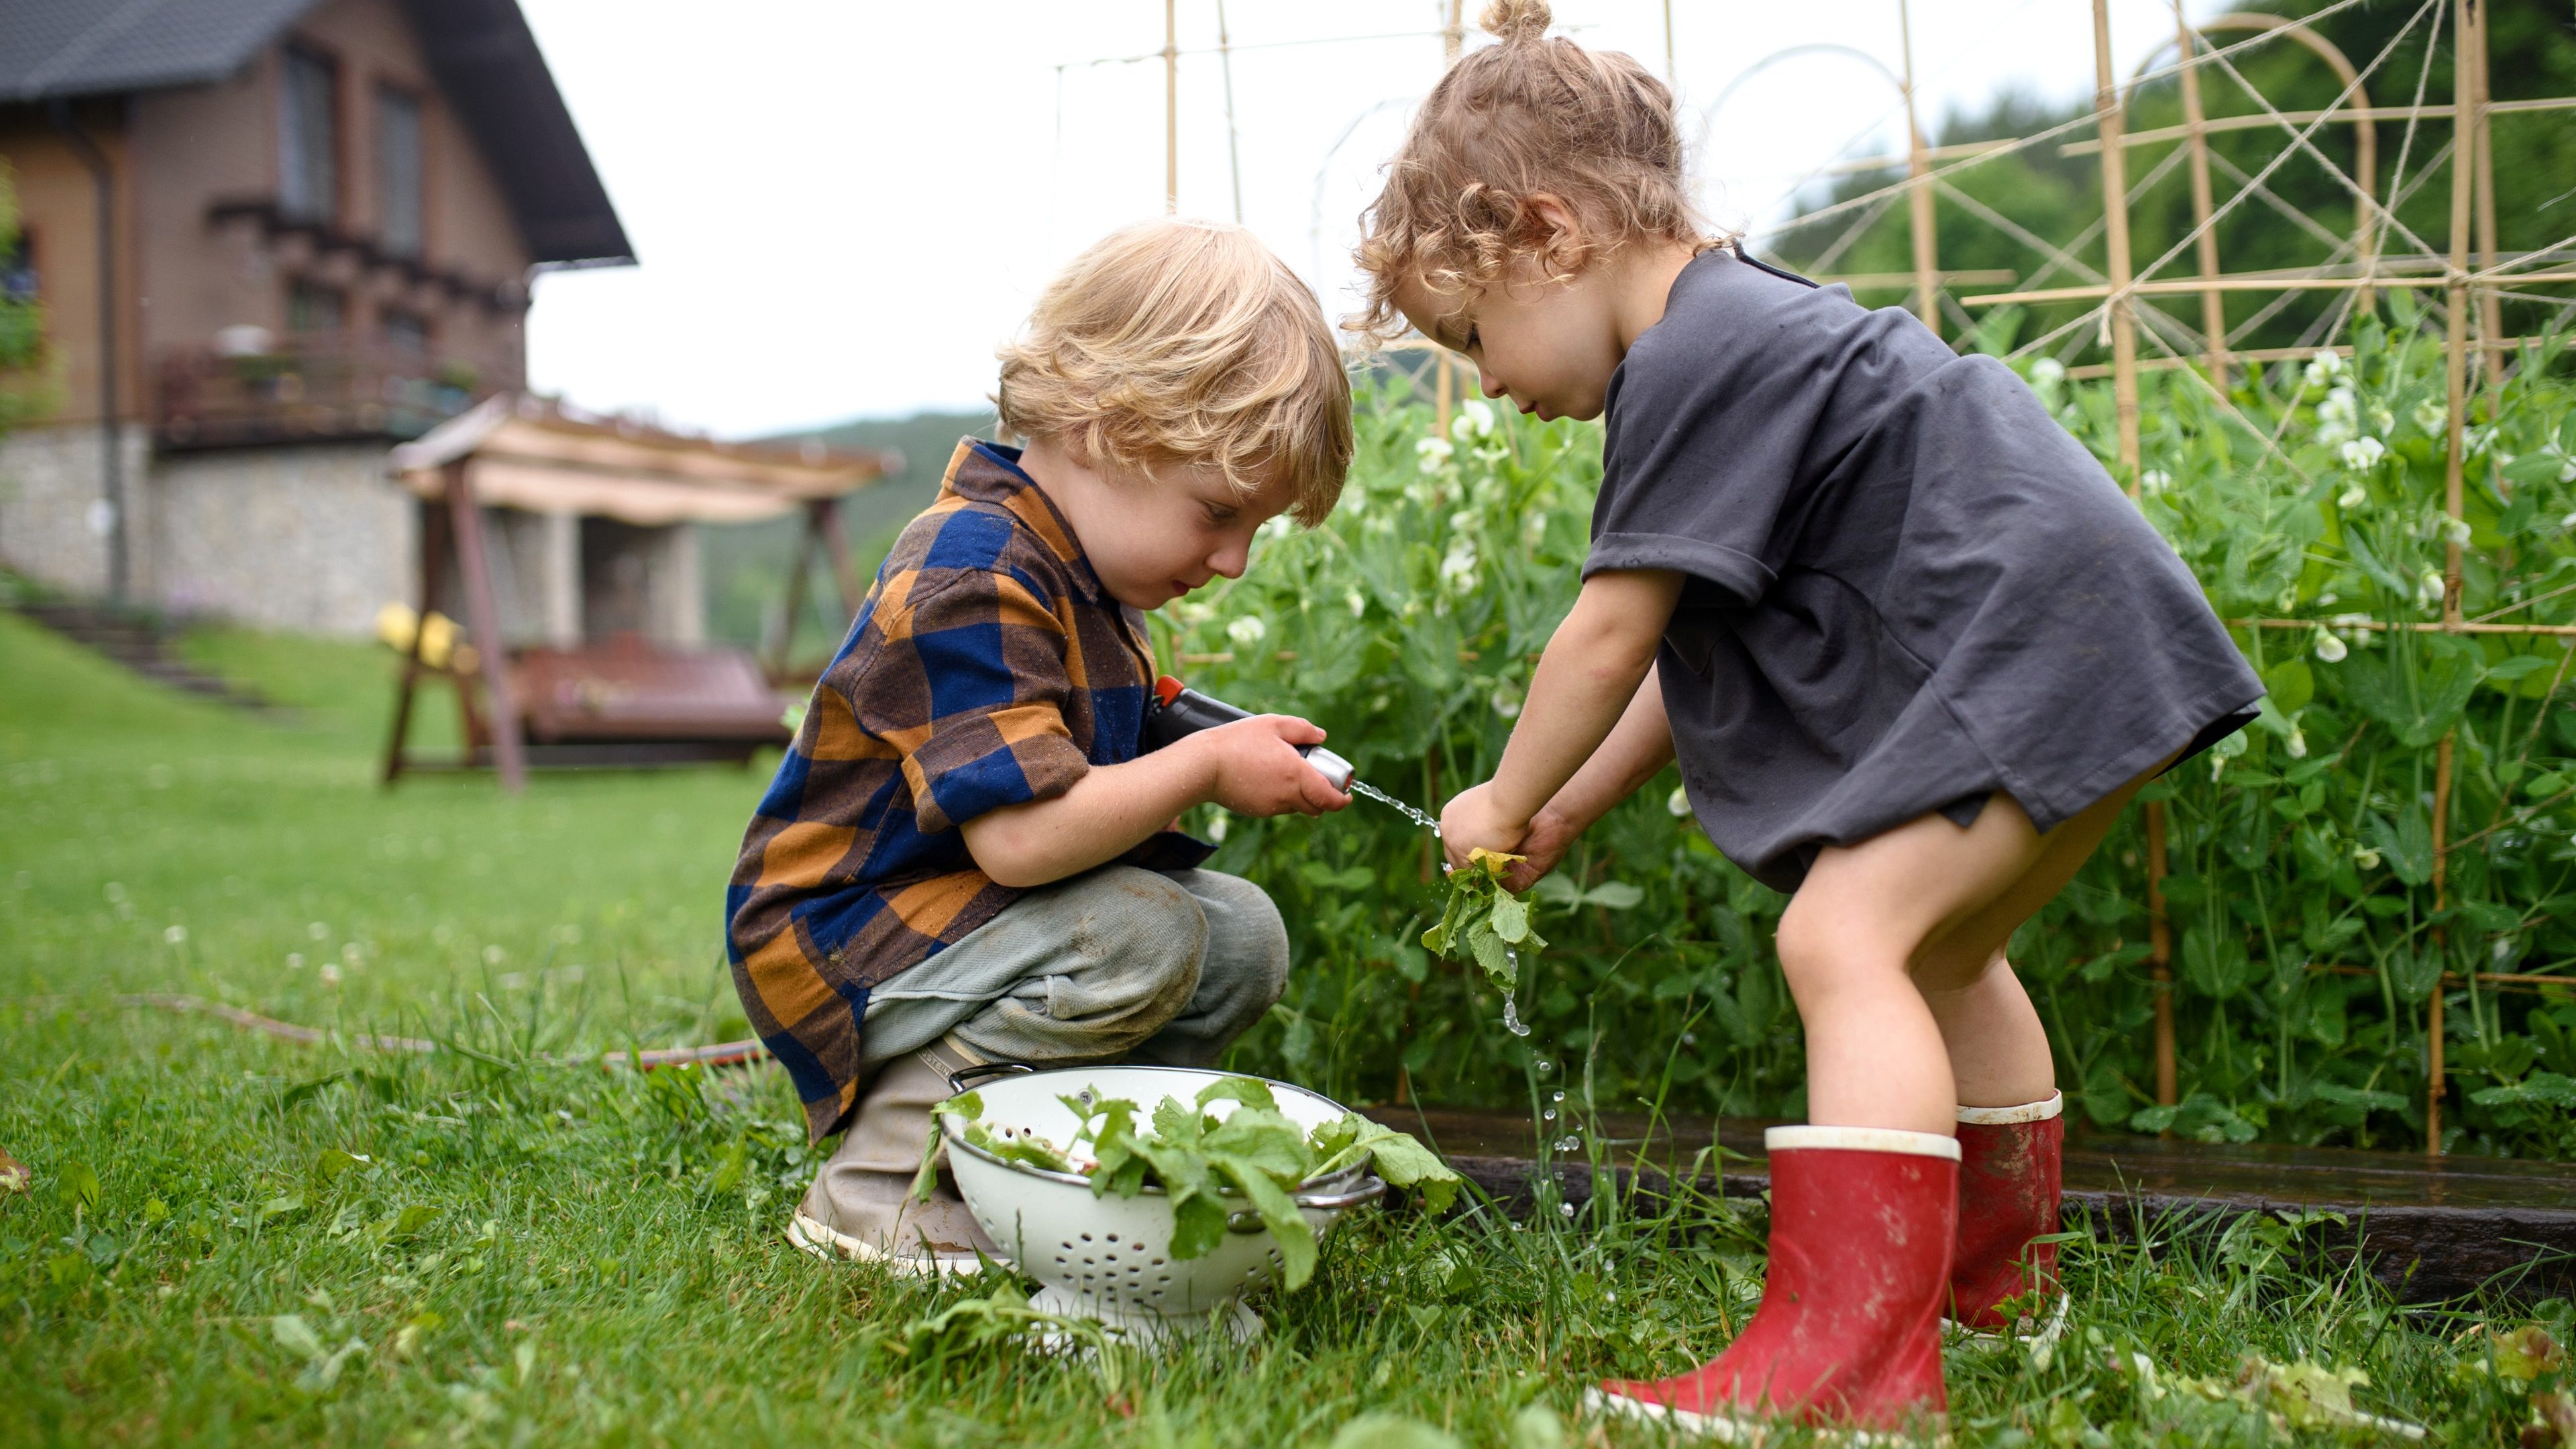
(1177, 342)
(1511, 123)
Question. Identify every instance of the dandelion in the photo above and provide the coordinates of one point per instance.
(2363, 454)
(1246, 631)
(176, 935)
(330, 973)
(2456, 531)
(2329, 648)
(1433, 453)
(1677, 804)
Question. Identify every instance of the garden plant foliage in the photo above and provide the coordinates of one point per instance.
(2310, 932)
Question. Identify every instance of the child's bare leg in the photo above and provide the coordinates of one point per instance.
(1998, 1050)
(1848, 946)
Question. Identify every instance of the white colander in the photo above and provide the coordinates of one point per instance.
(1110, 1258)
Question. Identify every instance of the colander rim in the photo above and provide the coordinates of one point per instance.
(956, 1139)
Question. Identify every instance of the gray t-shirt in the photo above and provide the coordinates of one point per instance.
(1908, 586)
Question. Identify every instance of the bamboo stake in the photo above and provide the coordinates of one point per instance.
(2124, 389)
(2473, 48)
(2213, 305)
(1225, 66)
(1918, 198)
(2115, 231)
(2239, 283)
(2447, 626)
(1171, 108)
(2456, 363)
(1453, 38)
(1672, 76)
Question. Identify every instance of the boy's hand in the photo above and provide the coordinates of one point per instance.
(1257, 770)
(1470, 820)
(1550, 836)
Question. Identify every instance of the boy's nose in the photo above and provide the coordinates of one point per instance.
(1232, 561)
(1491, 385)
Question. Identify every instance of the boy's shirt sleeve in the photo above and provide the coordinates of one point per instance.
(970, 683)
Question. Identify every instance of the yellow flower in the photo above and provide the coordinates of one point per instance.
(1493, 862)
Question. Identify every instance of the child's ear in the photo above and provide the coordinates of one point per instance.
(1556, 234)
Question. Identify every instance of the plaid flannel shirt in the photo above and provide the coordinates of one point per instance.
(987, 668)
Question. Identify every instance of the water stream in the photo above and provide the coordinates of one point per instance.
(1363, 787)
(1511, 1008)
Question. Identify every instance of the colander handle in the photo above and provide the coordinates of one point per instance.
(958, 1079)
(1370, 1189)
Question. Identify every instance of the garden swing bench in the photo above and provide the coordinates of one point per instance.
(604, 507)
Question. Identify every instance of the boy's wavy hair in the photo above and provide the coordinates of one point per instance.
(1186, 343)
(1529, 117)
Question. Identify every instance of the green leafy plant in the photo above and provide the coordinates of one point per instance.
(1483, 922)
(1212, 1166)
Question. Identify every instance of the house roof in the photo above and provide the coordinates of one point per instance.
(521, 451)
(485, 60)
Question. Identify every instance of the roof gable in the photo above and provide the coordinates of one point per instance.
(481, 53)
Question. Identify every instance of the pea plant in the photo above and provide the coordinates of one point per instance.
(2312, 917)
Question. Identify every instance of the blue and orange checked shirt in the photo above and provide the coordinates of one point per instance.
(987, 668)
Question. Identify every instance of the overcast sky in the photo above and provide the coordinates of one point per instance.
(841, 205)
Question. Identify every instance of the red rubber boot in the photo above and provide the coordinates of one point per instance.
(2009, 1164)
(1849, 1331)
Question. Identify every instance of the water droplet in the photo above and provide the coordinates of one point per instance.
(1548, 1116)
(1557, 1097)
(1512, 1017)
(1546, 1067)
(1568, 1143)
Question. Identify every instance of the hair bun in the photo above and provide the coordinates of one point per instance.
(1515, 21)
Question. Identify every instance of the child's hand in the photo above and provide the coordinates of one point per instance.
(1257, 770)
(1470, 821)
(1550, 836)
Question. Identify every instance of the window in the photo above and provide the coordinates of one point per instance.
(398, 171)
(315, 309)
(308, 138)
(18, 269)
(405, 332)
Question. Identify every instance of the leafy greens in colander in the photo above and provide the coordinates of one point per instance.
(1212, 1167)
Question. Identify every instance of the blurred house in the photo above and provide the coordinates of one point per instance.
(273, 238)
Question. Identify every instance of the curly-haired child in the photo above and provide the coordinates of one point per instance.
(1911, 647)
(967, 855)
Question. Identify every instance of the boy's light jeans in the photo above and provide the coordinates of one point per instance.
(1115, 962)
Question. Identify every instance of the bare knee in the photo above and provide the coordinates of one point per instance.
(1824, 952)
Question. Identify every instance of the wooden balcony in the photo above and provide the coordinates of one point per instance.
(313, 387)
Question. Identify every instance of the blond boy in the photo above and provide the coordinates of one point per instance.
(967, 856)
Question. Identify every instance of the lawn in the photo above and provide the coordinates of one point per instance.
(230, 1238)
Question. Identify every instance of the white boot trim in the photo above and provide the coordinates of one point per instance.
(2008, 1116)
(1862, 1139)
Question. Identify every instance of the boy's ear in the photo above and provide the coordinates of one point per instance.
(1556, 233)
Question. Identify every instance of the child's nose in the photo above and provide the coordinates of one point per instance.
(1492, 385)
(1232, 559)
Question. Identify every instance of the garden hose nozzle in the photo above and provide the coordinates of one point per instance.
(1179, 711)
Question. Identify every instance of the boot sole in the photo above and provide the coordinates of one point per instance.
(1733, 1430)
(812, 1238)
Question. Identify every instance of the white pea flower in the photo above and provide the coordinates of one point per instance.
(1356, 602)
(2365, 857)
(1458, 567)
(1475, 420)
(1678, 803)
(1216, 826)
(1434, 453)
(2363, 454)
(1507, 704)
(1465, 520)
(2048, 370)
(2456, 530)
(2430, 588)
(2329, 648)
(2155, 480)
(1246, 631)
(2324, 367)
(2567, 470)
(2353, 497)
(2432, 417)
(2298, 746)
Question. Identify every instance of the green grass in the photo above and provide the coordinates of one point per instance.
(530, 1252)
